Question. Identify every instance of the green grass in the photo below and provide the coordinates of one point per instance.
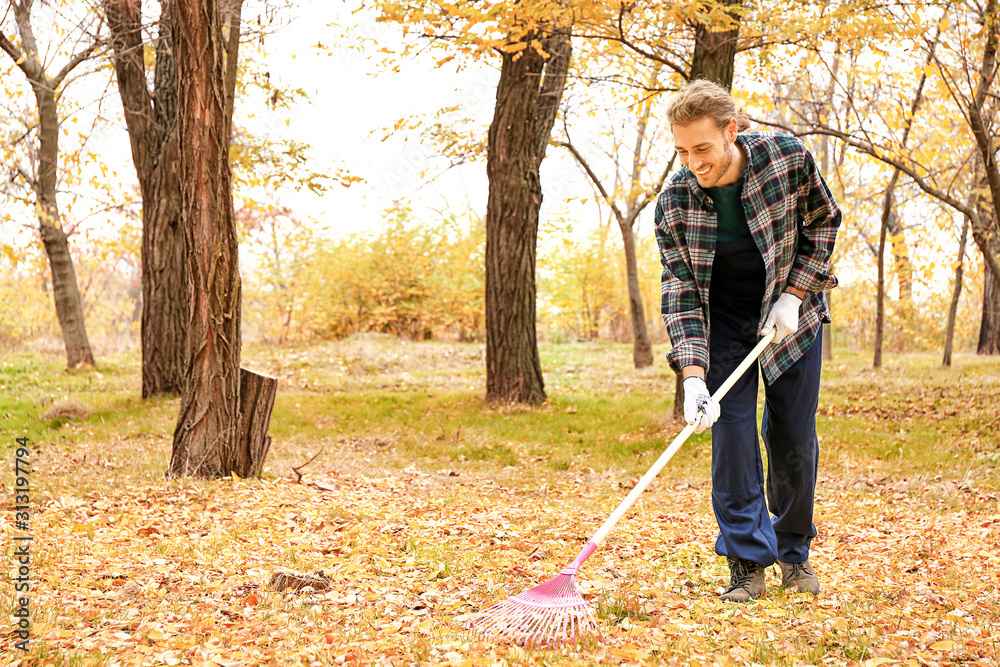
(401, 402)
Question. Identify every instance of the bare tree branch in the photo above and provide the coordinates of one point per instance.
(582, 161)
(28, 179)
(654, 192)
(22, 16)
(73, 63)
(981, 231)
(10, 49)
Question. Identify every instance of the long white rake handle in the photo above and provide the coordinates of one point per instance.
(630, 499)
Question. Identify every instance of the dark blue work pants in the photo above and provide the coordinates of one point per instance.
(749, 527)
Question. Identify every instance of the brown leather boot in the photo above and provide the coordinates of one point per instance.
(746, 581)
(799, 576)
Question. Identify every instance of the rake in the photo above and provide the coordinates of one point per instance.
(554, 614)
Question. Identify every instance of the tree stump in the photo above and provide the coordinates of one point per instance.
(256, 404)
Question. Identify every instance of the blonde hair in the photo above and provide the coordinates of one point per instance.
(700, 99)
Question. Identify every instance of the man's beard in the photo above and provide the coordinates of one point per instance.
(728, 163)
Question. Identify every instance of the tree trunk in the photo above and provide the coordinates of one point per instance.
(904, 274)
(65, 290)
(152, 129)
(900, 256)
(989, 328)
(956, 294)
(824, 143)
(232, 10)
(165, 313)
(981, 128)
(715, 50)
(880, 290)
(642, 347)
(206, 436)
(887, 205)
(522, 123)
(69, 305)
(886, 222)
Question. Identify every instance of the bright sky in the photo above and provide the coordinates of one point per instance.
(351, 102)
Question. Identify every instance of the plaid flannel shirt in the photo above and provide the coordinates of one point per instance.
(793, 219)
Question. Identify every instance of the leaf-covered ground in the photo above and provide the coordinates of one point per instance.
(177, 573)
(131, 569)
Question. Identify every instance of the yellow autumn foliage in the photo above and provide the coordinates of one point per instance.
(415, 281)
(583, 288)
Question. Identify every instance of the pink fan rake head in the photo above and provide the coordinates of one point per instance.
(548, 616)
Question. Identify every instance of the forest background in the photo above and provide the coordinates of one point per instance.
(364, 211)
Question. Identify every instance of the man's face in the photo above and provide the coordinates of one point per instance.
(707, 151)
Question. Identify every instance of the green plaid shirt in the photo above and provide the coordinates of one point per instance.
(793, 219)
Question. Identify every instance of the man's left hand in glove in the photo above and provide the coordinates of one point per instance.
(784, 317)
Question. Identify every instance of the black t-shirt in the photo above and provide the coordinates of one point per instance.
(731, 222)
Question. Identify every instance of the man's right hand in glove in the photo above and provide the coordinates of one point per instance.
(699, 406)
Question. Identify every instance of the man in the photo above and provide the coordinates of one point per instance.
(745, 231)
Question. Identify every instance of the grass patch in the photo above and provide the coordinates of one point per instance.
(426, 401)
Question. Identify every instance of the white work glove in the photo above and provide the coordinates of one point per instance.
(699, 406)
(784, 317)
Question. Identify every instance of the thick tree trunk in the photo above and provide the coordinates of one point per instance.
(715, 51)
(152, 128)
(206, 436)
(522, 123)
(165, 314)
(989, 328)
(956, 294)
(642, 347)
